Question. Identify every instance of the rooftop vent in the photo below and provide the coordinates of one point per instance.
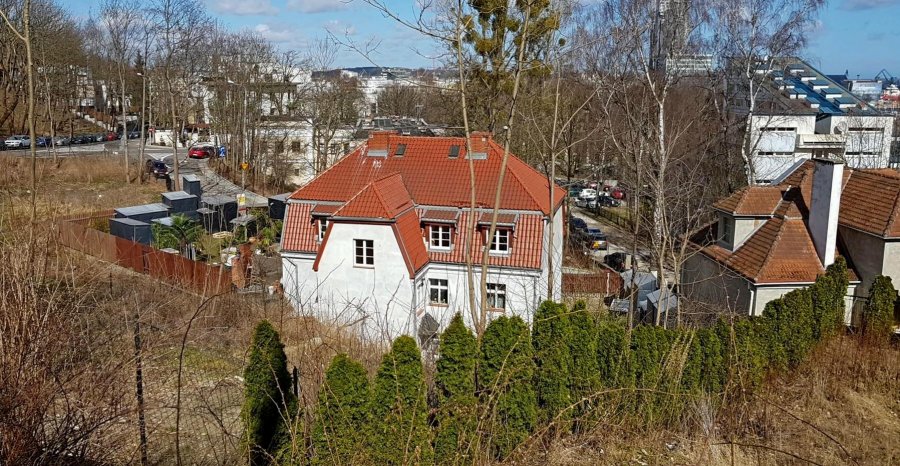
(401, 149)
(454, 151)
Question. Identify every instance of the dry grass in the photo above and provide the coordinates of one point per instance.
(78, 185)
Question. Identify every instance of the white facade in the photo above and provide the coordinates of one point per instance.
(382, 301)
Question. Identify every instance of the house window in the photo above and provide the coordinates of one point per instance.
(500, 242)
(440, 236)
(496, 295)
(296, 146)
(323, 225)
(438, 291)
(365, 252)
(727, 237)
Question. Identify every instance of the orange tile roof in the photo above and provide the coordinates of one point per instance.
(525, 245)
(299, 230)
(433, 178)
(440, 216)
(384, 198)
(409, 238)
(752, 201)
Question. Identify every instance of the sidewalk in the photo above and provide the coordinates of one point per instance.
(214, 185)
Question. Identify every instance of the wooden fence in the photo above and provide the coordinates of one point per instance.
(199, 277)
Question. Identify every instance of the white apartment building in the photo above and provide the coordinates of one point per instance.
(801, 112)
(378, 242)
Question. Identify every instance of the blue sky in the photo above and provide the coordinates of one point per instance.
(860, 36)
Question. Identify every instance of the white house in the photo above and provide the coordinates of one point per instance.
(801, 112)
(379, 241)
(770, 240)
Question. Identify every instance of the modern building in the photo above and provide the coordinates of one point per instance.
(770, 240)
(379, 241)
(801, 113)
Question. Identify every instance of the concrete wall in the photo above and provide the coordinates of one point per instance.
(557, 253)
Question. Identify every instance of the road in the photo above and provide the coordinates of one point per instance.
(212, 183)
(618, 240)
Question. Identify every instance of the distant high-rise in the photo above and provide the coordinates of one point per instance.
(669, 35)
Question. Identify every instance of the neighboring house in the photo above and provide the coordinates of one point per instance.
(801, 112)
(770, 240)
(379, 240)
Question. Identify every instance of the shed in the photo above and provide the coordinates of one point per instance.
(210, 219)
(277, 205)
(191, 184)
(131, 229)
(143, 213)
(658, 302)
(247, 221)
(645, 282)
(226, 209)
(181, 201)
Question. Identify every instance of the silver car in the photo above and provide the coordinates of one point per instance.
(17, 142)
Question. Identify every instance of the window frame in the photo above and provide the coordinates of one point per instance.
(442, 286)
(367, 248)
(440, 229)
(496, 240)
(321, 227)
(495, 291)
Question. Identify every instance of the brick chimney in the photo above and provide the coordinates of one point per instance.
(827, 182)
(480, 142)
(378, 142)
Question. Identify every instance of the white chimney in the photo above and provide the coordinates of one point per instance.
(828, 177)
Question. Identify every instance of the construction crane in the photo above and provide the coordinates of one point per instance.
(886, 77)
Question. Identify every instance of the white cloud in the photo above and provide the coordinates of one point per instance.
(340, 28)
(317, 6)
(243, 7)
(275, 33)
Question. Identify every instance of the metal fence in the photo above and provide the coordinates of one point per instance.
(199, 277)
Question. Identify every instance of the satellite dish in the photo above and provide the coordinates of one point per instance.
(840, 128)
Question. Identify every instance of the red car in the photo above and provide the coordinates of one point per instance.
(111, 136)
(200, 152)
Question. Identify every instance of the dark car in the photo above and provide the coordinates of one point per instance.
(134, 134)
(200, 152)
(608, 201)
(157, 168)
(577, 224)
(81, 139)
(2, 143)
(44, 141)
(595, 239)
(615, 261)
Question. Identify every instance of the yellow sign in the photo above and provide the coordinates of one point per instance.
(245, 166)
(242, 200)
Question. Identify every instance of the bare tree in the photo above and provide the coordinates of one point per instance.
(120, 21)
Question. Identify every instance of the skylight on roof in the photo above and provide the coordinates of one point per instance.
(401, 149)
(454, 151)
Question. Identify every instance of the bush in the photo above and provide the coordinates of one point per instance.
(455, 384)
(584, 378)
(878, 314)
(613, 354)
(267, 394)
(342, 408)
(399, 428)
(505, 375)
(551, 337)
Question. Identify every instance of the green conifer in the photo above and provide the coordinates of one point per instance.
(505, 373)
(454, 440)
(343, 405)
(268, 399)
(551, 336)
(399, 431)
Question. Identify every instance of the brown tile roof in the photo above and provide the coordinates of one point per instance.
(870, 200)
(299, 230)
(381, 199)
(409, 238)
(752, 201)
(439, 216)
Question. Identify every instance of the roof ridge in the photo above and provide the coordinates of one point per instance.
(333, 166)
(895, 216)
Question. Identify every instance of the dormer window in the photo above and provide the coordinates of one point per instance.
(726, 231)
(322, 224)
(500, 242)
(440, 236)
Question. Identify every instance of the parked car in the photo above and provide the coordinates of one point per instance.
(200, 152)
(134, 134)
(17, 142)
(61, 141)
(588, 193)
(595, 239)
(2, 143)
(617, 193)
(157, 168)
(100, 137)
(81, 139)
(577, 224)
(615, 261)
(608, 201)
(111, 136)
